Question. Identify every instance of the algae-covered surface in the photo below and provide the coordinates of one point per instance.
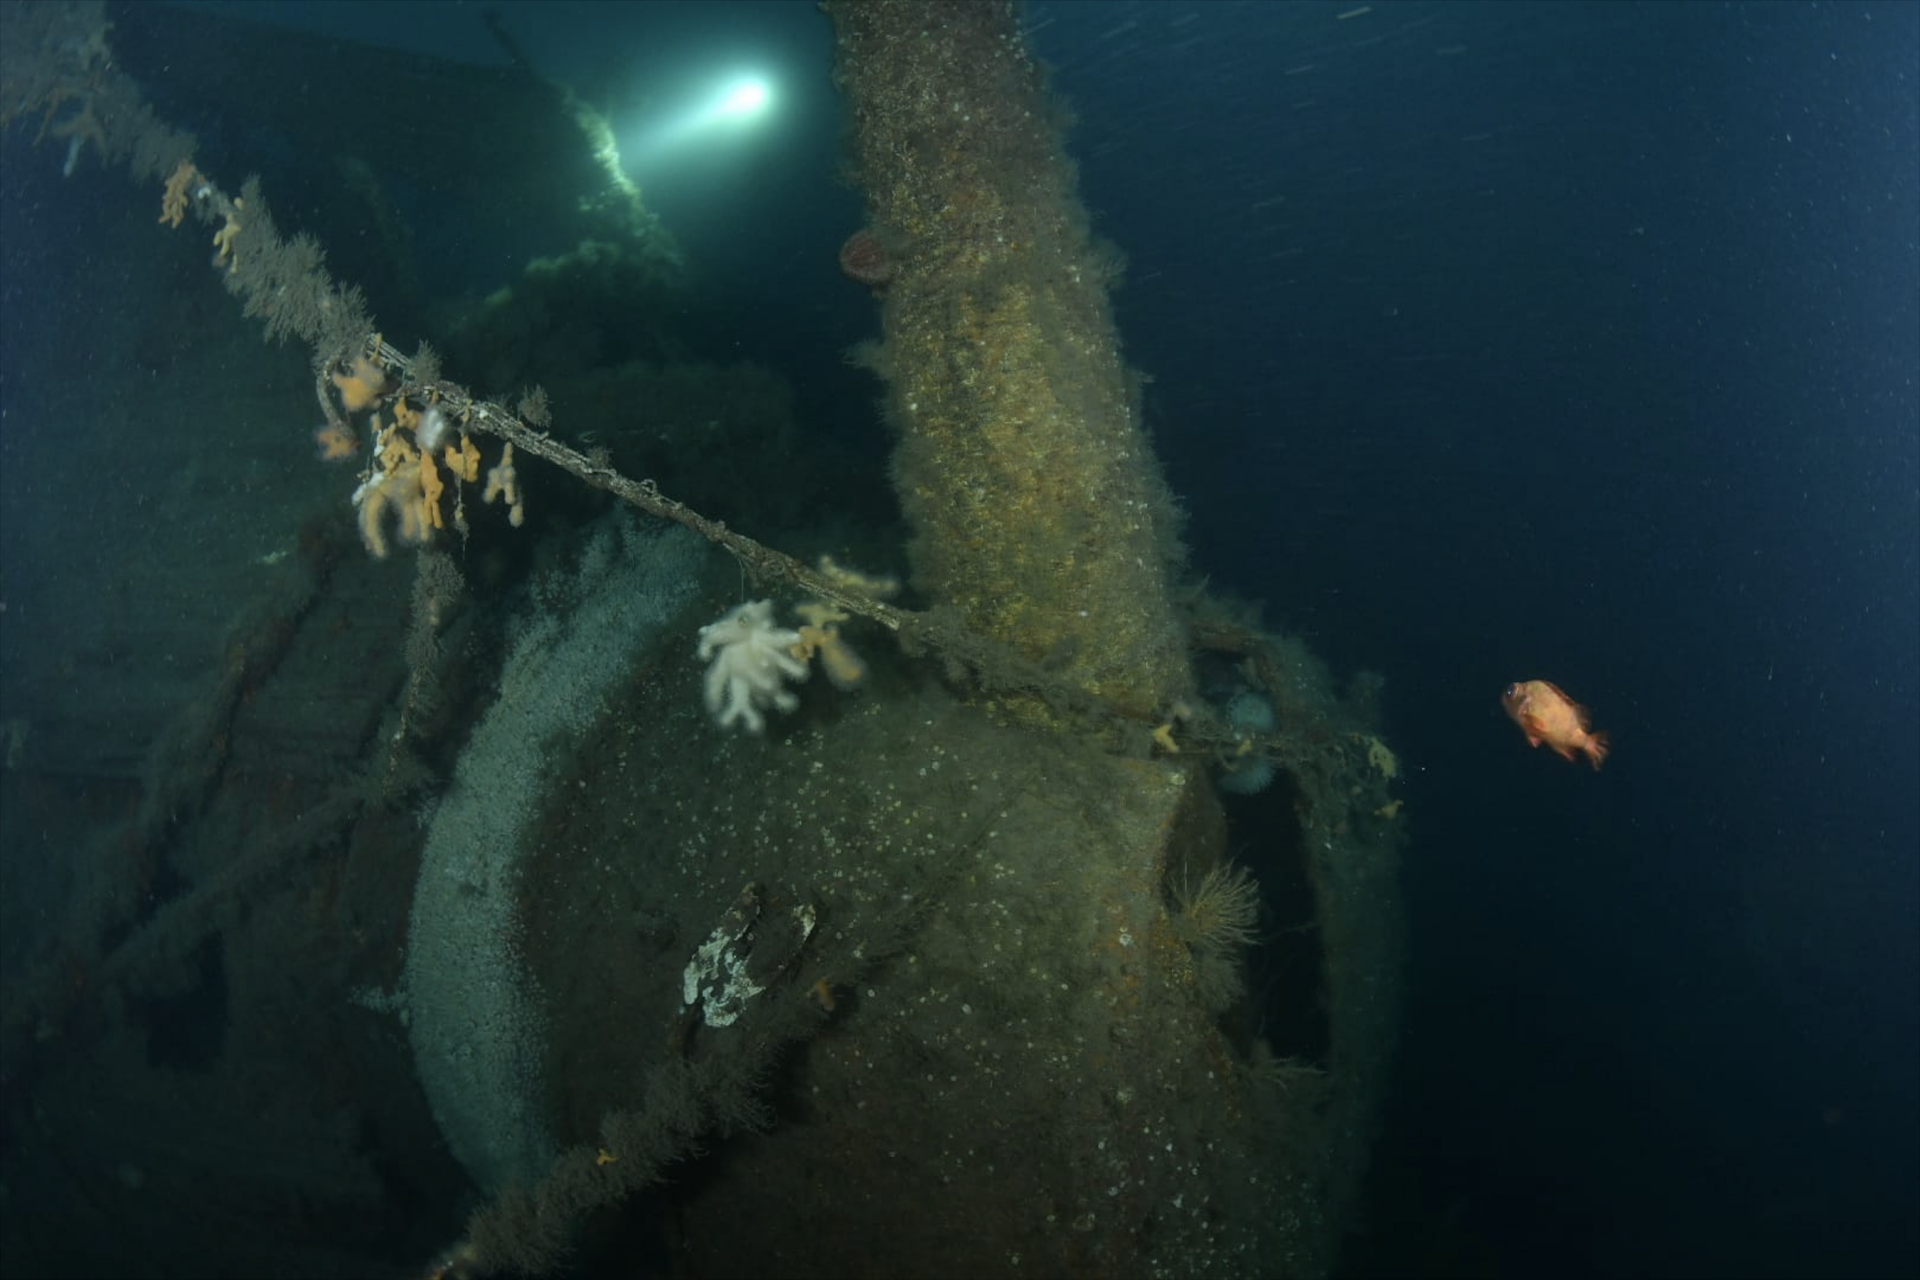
(995, 1032)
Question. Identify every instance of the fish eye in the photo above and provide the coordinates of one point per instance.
(1510, 691)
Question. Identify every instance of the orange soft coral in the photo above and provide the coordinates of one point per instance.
(173, 204)
(335, 442)
(372, 500)
(223, 240)
(409, 483)
(464, 462)
(431, 487)
(405, 415)
(361, 387)
(504, 482)
(819, 636)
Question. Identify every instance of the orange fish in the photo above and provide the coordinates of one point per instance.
(1546, 714)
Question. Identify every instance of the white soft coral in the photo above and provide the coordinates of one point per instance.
(751, 662)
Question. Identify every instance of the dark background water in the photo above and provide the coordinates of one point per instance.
(1490, 342)
(1500, 341)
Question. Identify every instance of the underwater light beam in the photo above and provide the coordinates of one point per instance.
(740, 101)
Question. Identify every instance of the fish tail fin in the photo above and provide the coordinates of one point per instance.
(1597, 748)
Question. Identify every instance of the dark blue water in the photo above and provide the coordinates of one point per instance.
(1579, 342)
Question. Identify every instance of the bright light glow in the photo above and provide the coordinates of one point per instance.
(737, 103)
(746, 98)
